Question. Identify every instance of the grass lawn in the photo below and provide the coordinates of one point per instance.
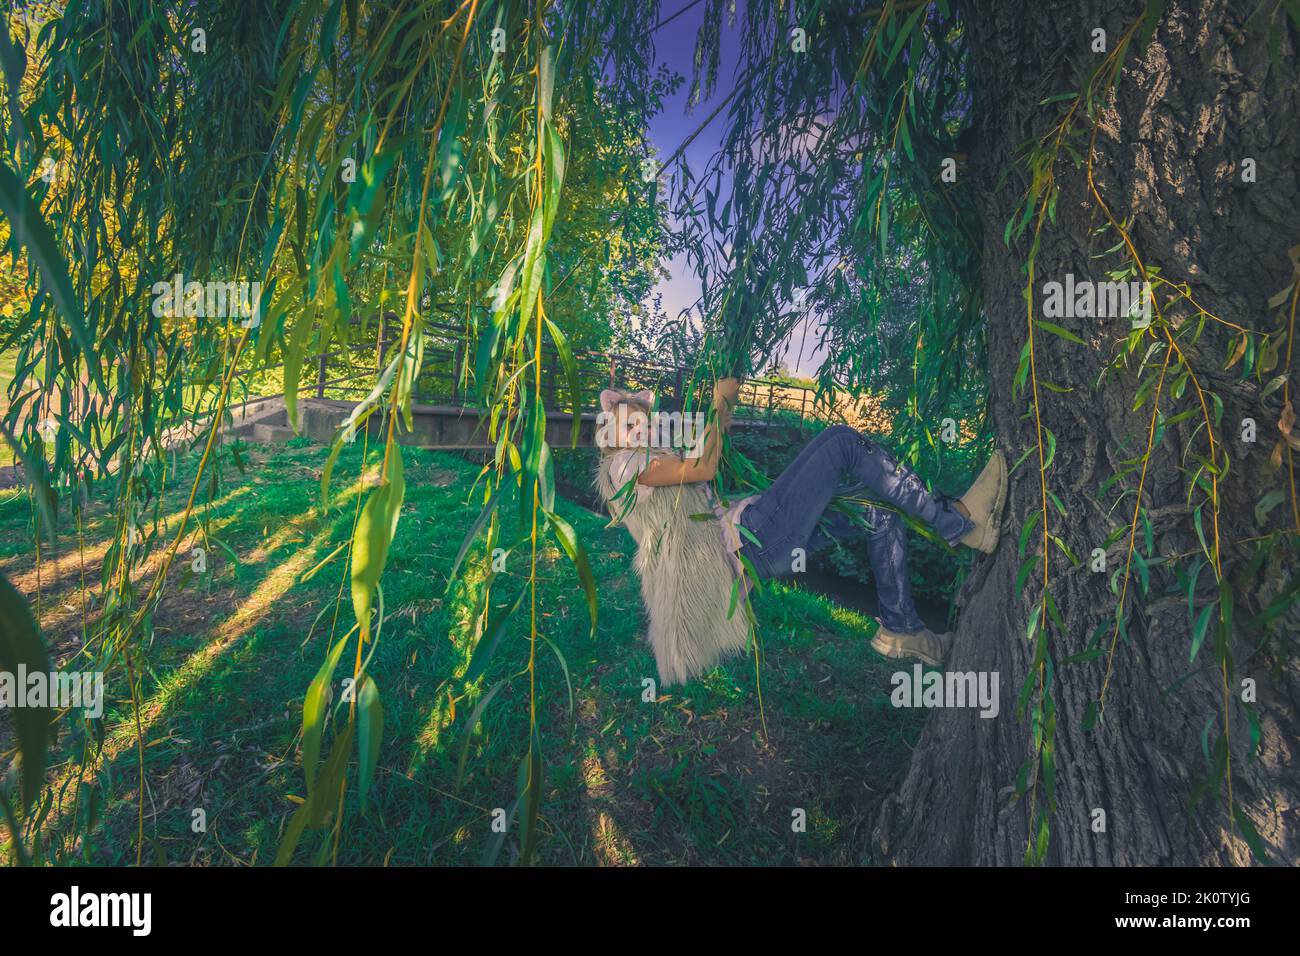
(689, 778)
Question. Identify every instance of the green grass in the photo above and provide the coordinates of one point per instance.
(690, 778)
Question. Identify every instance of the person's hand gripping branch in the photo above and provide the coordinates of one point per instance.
(665, 470)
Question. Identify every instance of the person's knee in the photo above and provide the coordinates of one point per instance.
(842, 433)
(846, 445)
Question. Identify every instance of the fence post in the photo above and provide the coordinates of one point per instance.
(320, 375)
(455, 372)
(613, 368)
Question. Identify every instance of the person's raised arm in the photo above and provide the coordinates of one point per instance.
(665, 471)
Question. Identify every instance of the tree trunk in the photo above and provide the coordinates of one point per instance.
(1201, 98)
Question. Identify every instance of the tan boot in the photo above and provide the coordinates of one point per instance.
(924, 644)
(984, 500)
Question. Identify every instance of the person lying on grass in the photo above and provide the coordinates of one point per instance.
(694, 556)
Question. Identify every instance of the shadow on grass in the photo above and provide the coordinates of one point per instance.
(702, 774)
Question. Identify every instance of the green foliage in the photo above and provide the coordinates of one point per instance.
(839, 206)
(473, 156)
(474, 163)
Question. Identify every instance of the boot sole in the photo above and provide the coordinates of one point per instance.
(989, 539)
(889, 647)
(994, 532)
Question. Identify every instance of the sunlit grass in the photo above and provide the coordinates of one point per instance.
(690, 778)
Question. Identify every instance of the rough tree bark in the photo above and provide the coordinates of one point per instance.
(1201, 98)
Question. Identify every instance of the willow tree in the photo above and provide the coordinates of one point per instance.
(1141, 610)
(352, 157)
(917, 172)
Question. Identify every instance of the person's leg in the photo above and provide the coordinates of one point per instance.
(785, 516)
(886, 536)
(902, 633)
(840, 461)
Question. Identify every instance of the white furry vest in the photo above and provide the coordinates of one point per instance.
(686, 577)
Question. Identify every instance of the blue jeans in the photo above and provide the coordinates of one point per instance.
(840, 461)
